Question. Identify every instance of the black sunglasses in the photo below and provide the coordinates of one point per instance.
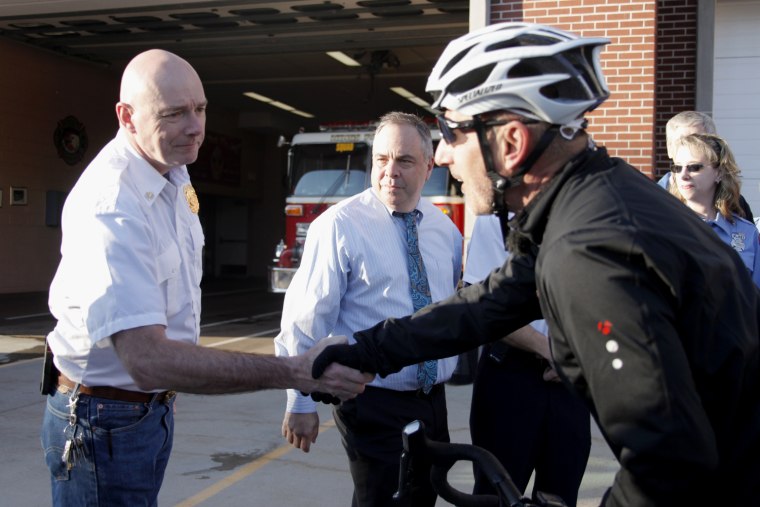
(691, 168)
(448, 126)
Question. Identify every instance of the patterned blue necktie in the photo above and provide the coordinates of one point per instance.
(420, 291)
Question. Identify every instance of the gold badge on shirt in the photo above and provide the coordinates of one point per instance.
(192, 198)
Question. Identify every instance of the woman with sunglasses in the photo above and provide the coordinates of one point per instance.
(707, 180)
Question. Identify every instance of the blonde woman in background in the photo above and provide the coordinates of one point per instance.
(706, 179)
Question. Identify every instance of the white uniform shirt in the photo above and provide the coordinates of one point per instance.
(486, 252)
(131, 257)
(353, 274)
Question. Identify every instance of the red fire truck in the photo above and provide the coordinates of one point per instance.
(326, 167)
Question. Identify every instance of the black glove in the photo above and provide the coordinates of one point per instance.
(325, 398)
(347, 355)
(344, 354)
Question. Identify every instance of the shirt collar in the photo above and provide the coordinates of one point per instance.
(721, 222)
(532, 220)
(150, 183)
(420, 214)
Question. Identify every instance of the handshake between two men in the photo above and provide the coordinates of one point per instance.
(334, 371)
(335, 360)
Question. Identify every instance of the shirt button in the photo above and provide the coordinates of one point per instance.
(149, 195)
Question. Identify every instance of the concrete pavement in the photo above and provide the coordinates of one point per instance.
(228, 450)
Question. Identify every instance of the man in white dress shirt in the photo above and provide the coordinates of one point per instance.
(127, 299)
(353, 274)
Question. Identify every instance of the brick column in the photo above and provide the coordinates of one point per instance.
(676, 68)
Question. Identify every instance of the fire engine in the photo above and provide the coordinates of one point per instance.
(328, 166)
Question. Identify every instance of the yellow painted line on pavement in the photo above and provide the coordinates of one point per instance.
(244, 472)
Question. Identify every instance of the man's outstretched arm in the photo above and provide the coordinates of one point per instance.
(480, 313)
(155, 362)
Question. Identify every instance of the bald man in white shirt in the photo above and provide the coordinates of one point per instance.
(127, 299)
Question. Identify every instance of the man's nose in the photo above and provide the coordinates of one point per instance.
(393, 168)
(442, 154)
(195, 125)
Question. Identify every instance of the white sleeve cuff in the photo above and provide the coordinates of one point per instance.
(300, 404)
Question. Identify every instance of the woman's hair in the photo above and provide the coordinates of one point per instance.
(714, 149)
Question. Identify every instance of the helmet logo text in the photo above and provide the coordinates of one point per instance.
(479, 92)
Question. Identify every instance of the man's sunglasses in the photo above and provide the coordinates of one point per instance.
(448, 126)
(691, 168)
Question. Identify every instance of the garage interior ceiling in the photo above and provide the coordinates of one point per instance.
(275, 48)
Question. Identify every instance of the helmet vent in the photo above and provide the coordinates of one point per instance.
(455, 60)
(581, 59)
(471, 80)
(580, 85)
(536, 67)
(526, 39)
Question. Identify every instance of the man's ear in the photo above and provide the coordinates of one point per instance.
(514, 144)
(431, 164)
(124, 115)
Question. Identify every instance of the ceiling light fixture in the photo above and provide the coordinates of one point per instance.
(277, 103)
(413, 98)
(344, 58)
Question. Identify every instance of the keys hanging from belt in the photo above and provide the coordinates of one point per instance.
(74, 449)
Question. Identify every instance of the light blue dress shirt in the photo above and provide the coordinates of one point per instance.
(353, 274)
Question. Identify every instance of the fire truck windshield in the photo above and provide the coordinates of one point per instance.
(335, 182)
(339, 169)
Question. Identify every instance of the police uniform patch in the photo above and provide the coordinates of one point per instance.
(737, 241)
(192, 198)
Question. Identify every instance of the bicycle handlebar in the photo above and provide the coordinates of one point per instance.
(442, 456)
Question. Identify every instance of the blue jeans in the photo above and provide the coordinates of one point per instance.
(127, 447)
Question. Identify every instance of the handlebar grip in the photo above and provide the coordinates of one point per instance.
(443, 456)
(403, 476)
(438, 476)
(446, 454)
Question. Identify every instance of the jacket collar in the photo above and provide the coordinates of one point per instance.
(530, 223)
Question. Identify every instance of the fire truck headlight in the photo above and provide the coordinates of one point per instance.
(302, 228)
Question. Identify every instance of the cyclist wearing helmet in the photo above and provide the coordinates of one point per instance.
(653, 319)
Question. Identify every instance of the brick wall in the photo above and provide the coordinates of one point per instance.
(625, 123)
(676, 67)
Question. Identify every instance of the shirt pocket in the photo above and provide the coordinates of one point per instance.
(168, 267)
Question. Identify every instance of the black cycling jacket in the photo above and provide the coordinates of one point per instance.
(652, 318)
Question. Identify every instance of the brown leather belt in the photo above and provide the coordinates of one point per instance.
(114, 393)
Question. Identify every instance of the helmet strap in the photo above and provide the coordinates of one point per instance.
(499, 184)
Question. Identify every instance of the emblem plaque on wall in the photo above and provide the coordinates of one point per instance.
(70, 138)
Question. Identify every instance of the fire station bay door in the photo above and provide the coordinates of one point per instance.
(231, 258)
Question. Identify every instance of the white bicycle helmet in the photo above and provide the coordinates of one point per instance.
(536, 70)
